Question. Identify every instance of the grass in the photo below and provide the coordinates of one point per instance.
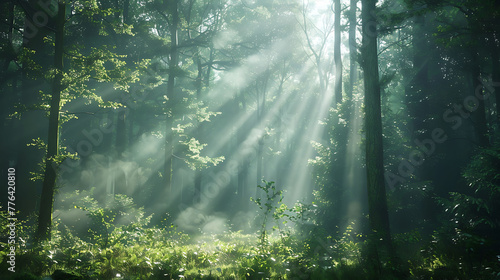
(137, 250)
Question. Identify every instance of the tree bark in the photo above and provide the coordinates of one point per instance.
(49, 181)
(379, 237)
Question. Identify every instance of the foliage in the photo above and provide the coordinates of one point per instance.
(121, 245)
(241, 67)
(331, 165)
(466, 242)
(110, 223)
(273, 204)
(40, 145)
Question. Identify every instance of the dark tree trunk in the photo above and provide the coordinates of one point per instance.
(479, 114)
(379, 236)
(8, 55)
(496, 78)
(126, 8)
(10, 48)
(416, 97)
(49, 181)
(338, 159)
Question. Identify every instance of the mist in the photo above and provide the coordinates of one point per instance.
(265, 139)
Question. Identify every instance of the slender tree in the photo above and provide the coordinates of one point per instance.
(337, 56)
(481, 124)
(495, 75)
(260, 90)
(379, 236)
(353, 51)
(9, 48)
(199, 86)
(49, 181)
(173, 65)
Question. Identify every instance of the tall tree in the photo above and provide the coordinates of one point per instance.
(337, 56)
(90, 69)
(379, 236)
(353, 50)
(202, 81)
(49, 181)
(8, 51)
(481, 124)
(173, 64)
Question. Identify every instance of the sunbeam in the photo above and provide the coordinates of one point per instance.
(252, 139)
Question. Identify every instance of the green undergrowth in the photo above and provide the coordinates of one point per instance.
(122, 244)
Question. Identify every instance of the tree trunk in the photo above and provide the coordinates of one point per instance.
(126, 8)
(199, 83)
(10, 47)
(259, 142)
(417, 104)
(49, 181)
(121, 122)
(352, 48)
(261, 107)
(495, 76)
(379, 237)
(121, 132)
(8, 55)
(494, 48)
(496, 79)
(337, 55)
(173, 65)
(243, 164)
(479, 115)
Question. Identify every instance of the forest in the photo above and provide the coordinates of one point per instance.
(250, 139)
